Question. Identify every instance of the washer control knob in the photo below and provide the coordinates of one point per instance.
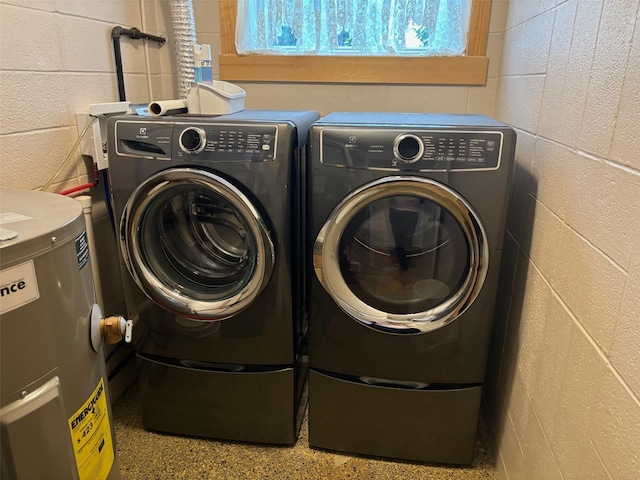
(193, 140)
(408, 148)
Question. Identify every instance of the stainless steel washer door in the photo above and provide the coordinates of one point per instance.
(195, 244)
(402, 255)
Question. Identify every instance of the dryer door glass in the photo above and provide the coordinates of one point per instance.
(402, 255)
(195, 244)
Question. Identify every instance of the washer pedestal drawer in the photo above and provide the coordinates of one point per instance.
(424, 425)
(250, 406)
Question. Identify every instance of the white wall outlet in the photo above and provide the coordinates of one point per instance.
(94, 143)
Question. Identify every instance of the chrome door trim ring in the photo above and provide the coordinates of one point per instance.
(326, 250)
(169, 298)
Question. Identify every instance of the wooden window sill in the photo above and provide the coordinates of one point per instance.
(387, 70)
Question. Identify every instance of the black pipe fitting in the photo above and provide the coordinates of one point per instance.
(134, 34)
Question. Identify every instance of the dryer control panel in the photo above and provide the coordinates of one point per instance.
(414, 150)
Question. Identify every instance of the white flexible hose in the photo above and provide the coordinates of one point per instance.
(69, 155)
(184, 32)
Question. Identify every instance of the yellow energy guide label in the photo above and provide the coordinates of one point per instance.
(91, 436)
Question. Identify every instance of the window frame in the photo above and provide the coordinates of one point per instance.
(470, 69)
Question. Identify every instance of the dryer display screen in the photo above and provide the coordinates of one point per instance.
(412, 150)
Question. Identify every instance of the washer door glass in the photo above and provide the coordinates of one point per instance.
(195, 244)
(402, 255)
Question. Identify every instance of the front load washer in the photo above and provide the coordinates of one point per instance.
(210, 224)
(408, 214)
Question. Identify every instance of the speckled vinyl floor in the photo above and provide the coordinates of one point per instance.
(150, 455)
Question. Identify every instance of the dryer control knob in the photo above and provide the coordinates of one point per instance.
(408, 148)
(193, 140)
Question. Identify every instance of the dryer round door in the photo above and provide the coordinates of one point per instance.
(195, 244)
(402, 255)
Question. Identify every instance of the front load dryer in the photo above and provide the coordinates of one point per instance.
(408, 214)
(210, 222)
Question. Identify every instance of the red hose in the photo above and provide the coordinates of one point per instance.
(96, 179)
(77, 189)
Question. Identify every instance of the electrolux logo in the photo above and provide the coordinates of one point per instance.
(142, 133)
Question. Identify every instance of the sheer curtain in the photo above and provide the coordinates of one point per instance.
(352, 27)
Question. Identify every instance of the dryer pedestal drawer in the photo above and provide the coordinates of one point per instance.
(231, 405)
(423, 425)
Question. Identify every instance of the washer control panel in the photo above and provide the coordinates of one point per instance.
(415, 150)
(224, 142)
(216, 142)
(192, 140)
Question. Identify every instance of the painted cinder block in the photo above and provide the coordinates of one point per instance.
(604, 205)
(39, 50)
(626, 138)
(590, 284)
(624, 351)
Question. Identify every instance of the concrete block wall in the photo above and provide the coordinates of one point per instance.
(56, 58)
(327, 98)
(564, 378)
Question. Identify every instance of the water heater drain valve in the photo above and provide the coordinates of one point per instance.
(112, 329)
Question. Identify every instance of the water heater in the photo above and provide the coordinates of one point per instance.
(55, 412)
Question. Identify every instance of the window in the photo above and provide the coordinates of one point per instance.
(352, 27)
(297, 63)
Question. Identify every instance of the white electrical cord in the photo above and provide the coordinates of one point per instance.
(146, 51)
(69, 156)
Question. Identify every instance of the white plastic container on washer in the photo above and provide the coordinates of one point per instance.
(217, 99)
